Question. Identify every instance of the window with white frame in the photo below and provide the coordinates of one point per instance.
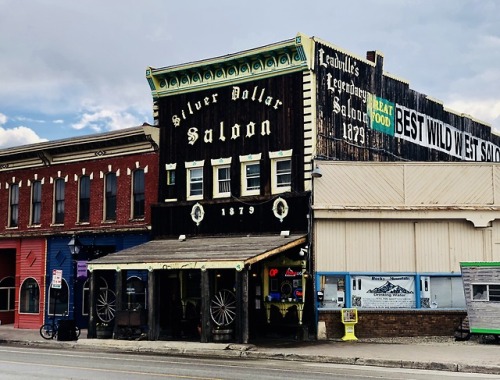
(281, 171)
(14, 205)
(194, 180)
(222, 177)
(7, 294)
(250, 174)
(36, 202)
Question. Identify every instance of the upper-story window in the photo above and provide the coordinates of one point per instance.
(170, 168)
(138, 193)
(281, 171)
(59, 186)
(84, 199)
(110, 197)
(14, 205)
(250, 174)
(194, 179)
(36, 202)
(222, 177)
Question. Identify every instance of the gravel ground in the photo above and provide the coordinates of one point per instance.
(446, 340)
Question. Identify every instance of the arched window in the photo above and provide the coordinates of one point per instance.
(7, 293)
(103, 285)
(29, 298)
(58, 299)
(136, 293)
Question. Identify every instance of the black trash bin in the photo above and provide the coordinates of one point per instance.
(67, 330)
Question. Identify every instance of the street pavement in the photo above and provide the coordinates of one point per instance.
(433, 353)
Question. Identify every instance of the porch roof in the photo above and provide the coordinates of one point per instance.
(214, 252)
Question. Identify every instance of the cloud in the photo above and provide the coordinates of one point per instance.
(3, 119)
(18, 136)
(101, 120)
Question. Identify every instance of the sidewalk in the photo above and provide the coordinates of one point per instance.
(434, 353)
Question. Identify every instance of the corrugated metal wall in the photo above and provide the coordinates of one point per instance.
(403, 246)
(405, 217)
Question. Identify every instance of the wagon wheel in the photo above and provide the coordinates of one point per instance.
(106, 305)
(223, 308)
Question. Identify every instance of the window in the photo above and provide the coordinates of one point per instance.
(138, 194)
(136, 294)
(29, 297)
(170, 168)
(486, 292)
(58, 300)
(59, 201)
(14, 205)
(250, 169)
(222, 177)
(103, 286)
(195, 180)
(36, 202)
(110, 199)
(84, 199)
(7, 294)
(443, 292)
(281, 171)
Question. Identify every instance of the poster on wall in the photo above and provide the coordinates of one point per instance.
(383, 292)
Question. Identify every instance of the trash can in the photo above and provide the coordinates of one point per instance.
(67, 330)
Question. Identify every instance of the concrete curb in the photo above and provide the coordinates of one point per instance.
(218, 350)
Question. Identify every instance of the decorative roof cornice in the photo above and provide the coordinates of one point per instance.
(270, 60)
(116, 143)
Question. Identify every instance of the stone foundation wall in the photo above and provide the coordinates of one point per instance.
(394, 323)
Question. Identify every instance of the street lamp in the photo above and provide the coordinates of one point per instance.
(75, 246)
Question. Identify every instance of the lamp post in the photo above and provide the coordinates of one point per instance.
(315, 174)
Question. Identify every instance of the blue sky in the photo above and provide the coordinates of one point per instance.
(71, 68)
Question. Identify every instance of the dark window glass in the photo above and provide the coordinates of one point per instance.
(110, 197)
(253, 176)
(14, 205)
(84, 201)
(29, 297)
(139, 197)
(58, 300)
(7, 291)
(36, 202)
(284, 173)
(59, 201)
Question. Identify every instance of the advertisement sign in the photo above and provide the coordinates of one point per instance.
(383, 292)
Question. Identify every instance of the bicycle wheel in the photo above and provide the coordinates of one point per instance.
(47, 331)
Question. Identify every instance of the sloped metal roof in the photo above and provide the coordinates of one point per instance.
(198, 253)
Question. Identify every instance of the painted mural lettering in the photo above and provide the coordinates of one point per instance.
(234, 132)
(346, 64)
(255, 95)
(348, 111)
(191, 108)
(340, 86)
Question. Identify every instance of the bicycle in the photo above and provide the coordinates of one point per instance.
(49, 330)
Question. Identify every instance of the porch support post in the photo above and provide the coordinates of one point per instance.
(153, 329)
(91, 333)
(242, 330)
(119, 297)
(205, 307)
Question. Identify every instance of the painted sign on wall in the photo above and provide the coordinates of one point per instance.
(366, 115)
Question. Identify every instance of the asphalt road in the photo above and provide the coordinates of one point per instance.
(41, 363)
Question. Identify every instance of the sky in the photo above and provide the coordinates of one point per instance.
(72, 68)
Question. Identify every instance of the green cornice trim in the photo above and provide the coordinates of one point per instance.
(480, 264)
(279, 58)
